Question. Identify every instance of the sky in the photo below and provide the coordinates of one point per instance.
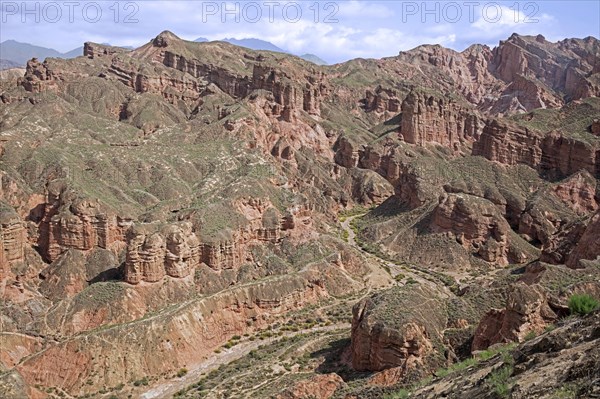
(334, 30)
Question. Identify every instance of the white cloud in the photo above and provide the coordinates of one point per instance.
(362, 9)
(500, 21)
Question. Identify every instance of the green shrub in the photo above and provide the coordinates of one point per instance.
(498, 381)
(442, 372)
(401, 394)
(141, 382)
(530, 335)
(583, 304)
(182, 372)
(411, 280)
(565, 392)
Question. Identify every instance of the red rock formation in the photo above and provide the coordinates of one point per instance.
(346, 152)
(169, 342)
(567, 155)
(172, 87)
(432, 119)
(283, 149)
(145, 257)
(526, 310)
(263, 222)
(538, 224)
(524, 94)
(468, 73)
(379, 348)
(38, 77)
(72, 222)
(182, 250)
(288, 98)
(289, 95)
(386, 334)
(522, 73)
(224, 252)
(534, 57)
(382, 100)
(588, 246)
(176, 250)
(579, 193)
(389, 162)
(478, 225)
(511, 144)
(561, 244)
(173, 251)
(14, 347)
(93, 50)
(13, 238)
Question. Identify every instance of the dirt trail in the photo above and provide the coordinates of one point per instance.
(348, 228)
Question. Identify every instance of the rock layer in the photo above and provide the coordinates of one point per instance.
(13, 238)
(588, 244)
(386, 334)
(69, 221)
(174, 251)
(551, 153)
(167, 342)
(434, 119)
(526, 311)
(477, 225)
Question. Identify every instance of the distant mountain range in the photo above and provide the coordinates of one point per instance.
(15, 54)
(6, 64)
(314, 59)
(19, 53)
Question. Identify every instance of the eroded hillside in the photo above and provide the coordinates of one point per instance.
(164, 209)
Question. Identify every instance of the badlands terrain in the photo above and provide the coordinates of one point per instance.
(201, 220)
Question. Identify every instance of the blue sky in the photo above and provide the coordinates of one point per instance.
(334, 30)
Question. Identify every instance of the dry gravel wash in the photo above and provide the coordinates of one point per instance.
(167, 390)
(394, 268)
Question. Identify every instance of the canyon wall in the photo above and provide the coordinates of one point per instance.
(478, 225)
(526, 311)
(13, 239)
(554, 153)
(388, 333)
(70, 221)
(164, 343)
(174, 251)
(428, 118)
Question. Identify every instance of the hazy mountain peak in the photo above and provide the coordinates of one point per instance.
(314, 59)
(255, 44)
